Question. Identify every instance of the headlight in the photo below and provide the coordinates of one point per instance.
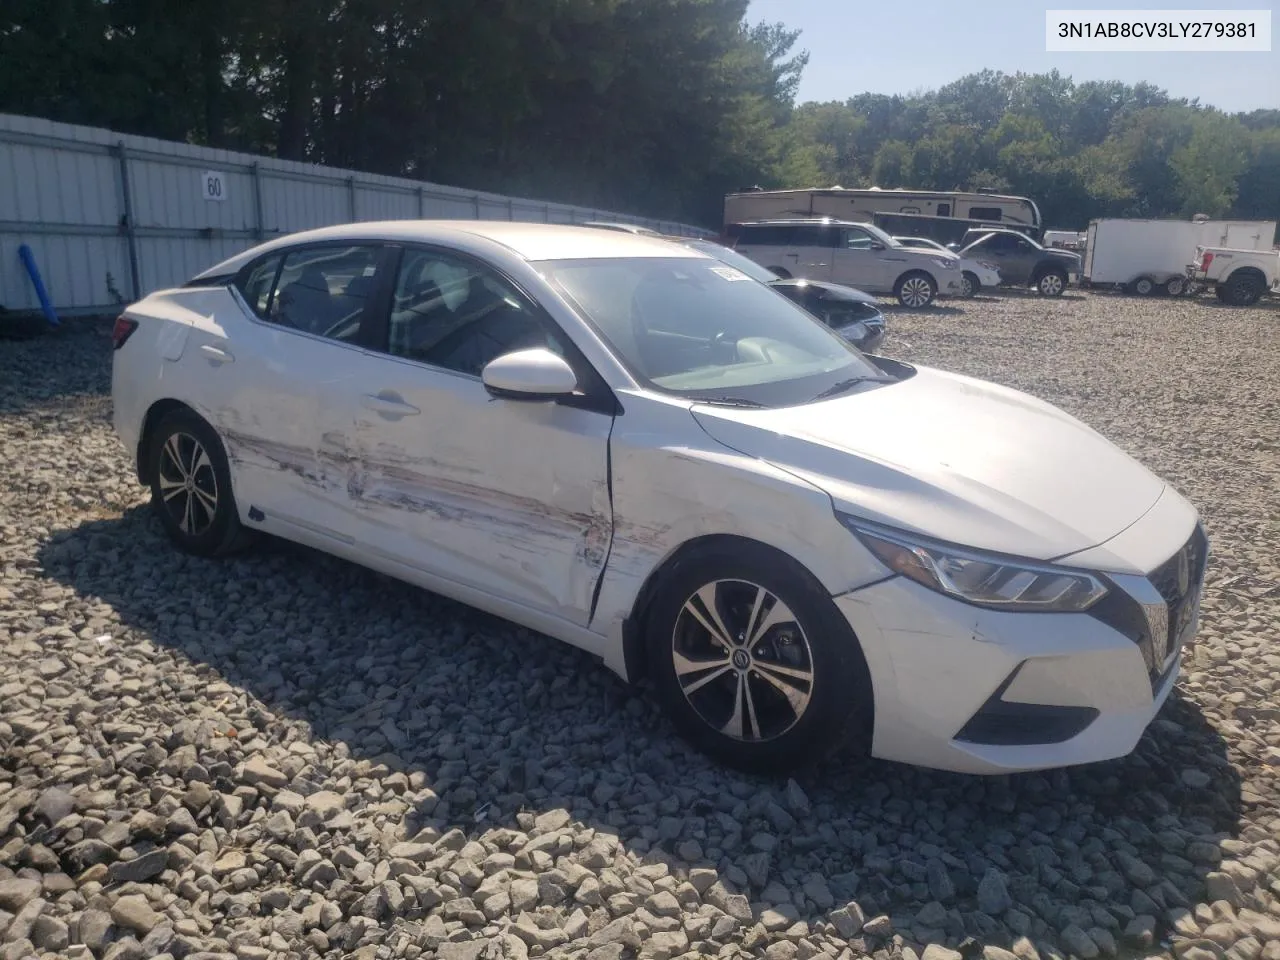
(976, 577)
(945, 264)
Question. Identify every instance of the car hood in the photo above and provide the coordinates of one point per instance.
(827, 291)
(952, 458)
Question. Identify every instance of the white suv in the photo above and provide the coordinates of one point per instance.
(858, 254)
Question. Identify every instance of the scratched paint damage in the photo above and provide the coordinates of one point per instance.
(386, 482)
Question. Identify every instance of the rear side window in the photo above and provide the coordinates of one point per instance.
(323, 290)
(815, 236)
(984, 213)
(767, 236)
(257, 285)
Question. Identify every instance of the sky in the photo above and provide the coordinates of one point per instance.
(858, 46)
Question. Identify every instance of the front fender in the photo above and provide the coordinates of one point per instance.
(672, 484)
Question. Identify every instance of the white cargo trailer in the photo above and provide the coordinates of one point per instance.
(1146, 256)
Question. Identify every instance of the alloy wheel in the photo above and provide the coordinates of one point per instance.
(188, 484)
(742, 660)
(916, 292)
(1051, 284)
(966, 285)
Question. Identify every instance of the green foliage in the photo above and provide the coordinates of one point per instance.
(1080, 150)
(654, 106)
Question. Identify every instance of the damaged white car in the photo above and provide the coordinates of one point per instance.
(634, 447)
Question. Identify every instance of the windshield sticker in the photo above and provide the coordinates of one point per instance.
(729, 273)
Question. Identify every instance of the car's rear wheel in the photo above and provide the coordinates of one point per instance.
(915, 290)
(1243, 289)
(191, 486)
(753, 662)
(1052, 283)
(969, 284)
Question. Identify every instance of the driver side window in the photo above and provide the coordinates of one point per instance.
(450, 312)
(325, 290)
(855, 239)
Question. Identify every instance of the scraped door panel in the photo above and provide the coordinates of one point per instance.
(508, 497)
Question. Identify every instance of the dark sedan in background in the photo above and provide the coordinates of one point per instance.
(851, 313)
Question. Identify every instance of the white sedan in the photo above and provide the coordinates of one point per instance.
(629, 445)
(976, 273)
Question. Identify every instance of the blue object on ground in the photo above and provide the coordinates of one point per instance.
(29, 261)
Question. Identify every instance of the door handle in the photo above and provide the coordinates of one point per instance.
(793, 256)
(216, 355)
(388, 405)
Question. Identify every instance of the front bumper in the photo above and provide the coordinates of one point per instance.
(958, 687)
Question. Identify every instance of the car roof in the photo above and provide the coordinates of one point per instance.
(530, 241)
(803, 221)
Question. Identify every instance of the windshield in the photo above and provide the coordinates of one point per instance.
(734, 259)
(880, 235)
(699, 328)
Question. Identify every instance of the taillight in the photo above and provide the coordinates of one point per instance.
(1204, 264)
(122, 331)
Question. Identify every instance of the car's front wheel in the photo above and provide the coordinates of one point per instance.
(915, 290)
(754, 664)
(1052, 283)
(191, 486)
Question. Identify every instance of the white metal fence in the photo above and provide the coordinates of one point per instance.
(110, 217)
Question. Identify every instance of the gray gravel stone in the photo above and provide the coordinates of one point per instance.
(294, 742)
(17, 892)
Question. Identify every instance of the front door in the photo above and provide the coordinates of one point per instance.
(508, 497)
(859, 264)
(1014, 256)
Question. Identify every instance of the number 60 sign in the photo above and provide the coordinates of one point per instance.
(211, 186)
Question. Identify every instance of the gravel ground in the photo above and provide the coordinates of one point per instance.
(287, 756)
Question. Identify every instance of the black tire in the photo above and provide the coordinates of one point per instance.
(1243, 289)
(969, 284)
(1051, 282)
(838, 709)
(199, 516)
(1220, 291)
(782, 272)
(915, 290)
(1175, 287)
(1143, 287)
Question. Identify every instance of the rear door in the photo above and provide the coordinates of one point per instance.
(268, 376)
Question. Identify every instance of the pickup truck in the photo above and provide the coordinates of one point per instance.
(1239, 277)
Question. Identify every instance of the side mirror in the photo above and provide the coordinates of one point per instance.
(537, 374)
